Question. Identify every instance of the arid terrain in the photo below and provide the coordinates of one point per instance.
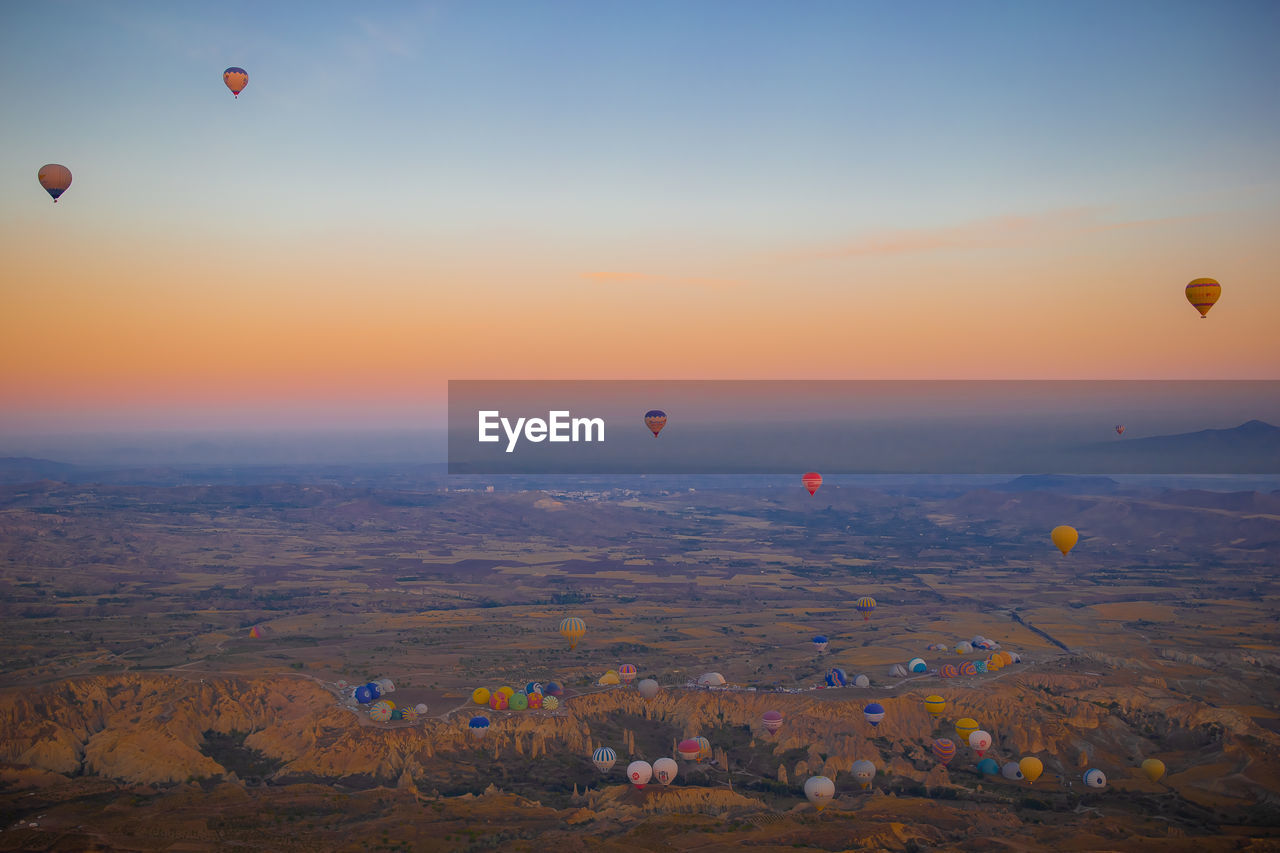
(137, 712)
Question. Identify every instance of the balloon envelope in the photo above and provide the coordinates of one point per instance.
(655, 420)
(535, 701)
(664, 770)
(236, 79)
(944, 749)
(572, 630)
(648, 688)
(639, 772)
(864, 771)
(812, 481)
(604, 758)
(1119, 429)
(627, 672)
(988, 767)
(934, 705)
(533, 687)
(480, 696)
(1031, 768)
(1065, 537)
(498, 701)
(836, 677)
(861, 681)
(819, 790)
(54, 178)
(966, 726)
(478, 726)
(1203, 293)
(1011, 770)
(550, 703)
(1095, 779)
(917, 665)
(772, 721)
(1153, 768)
(864, 606)
(518, 701)
(552, 688)
(979, 741)
(820, 643)
(689, 749)
(874, 712)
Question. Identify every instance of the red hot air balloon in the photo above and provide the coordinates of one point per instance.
(655, 420)
(772, 721)
(1119, 429)
(812, 481)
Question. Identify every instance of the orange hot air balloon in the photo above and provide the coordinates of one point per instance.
(1119, 429)
(1065, 537)
(812, 481)
(235, 79)
(1203, 293)
(55, 179)
(655, 420)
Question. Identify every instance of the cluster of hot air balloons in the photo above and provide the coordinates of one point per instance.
(534, 696)
(381, 709)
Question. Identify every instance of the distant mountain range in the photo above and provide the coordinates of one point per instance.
(1251, 448)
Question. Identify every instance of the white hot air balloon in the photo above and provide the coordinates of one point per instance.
(980, 741)
(639, 773)
(864, 771)
(648, 688)
(1011, 770)
(819, 790)
(664, 770)
(1095, 778)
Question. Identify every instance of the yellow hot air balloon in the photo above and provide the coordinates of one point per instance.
(572, 630)
(610, 677)
(1064, 537)
(1153, 768)
(966, 726)
(935, 706)
(1203, 293)
(1031, 768)
(480, 696)
(506, 691)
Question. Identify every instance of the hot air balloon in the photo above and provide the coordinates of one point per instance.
(260, 632)
(917, 665)
(819, 790)
(1011, 771)
(627, 672)
(704, 747)
(236, 79)
(1007, 657)
(967, 668)
(655, 419)
(648, 688)
(988, 767)
(948, 671)
(533, 687)
(979, 741)
(898, 671)
(639, 772)
(535, 701)
(604, 759)
(1015, 657)
(944, 750)
(935, 705)
(55, 179)
(572, 630)
(1203, 293)
(861, 681)
(836, 677)
(812, 481)
(386, 685)
(965, 726)
(1095, 779)
(380, 711)
(820, 643)
(979, 665)
(506, 691)
(478, 726)
(711, 679)
(874, 712)
(552, 688)
(480, 696)
(1119, 429)
(689, 749)
(1064, 537)
(609, 678)
(1153, 768)
(772, 721)
(421, 708)
(864, 606)
(1031, 768)
(664, 770)
(498, 701)
(363, 694)
(518, 701)
(994, 663)
(864, 771)
(550, 703)
(964, 647)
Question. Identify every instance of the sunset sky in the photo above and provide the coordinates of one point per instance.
(410, 193)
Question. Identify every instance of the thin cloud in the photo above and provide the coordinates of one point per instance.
(710, 283)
